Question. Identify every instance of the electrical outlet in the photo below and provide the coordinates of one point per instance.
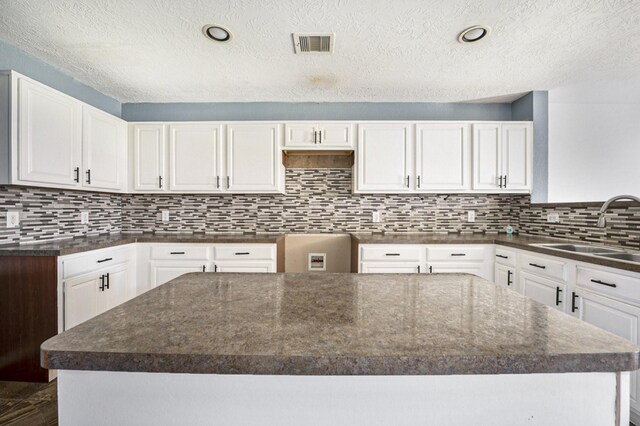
(13, 219)
(165, 215)
(375, 217)
(84, 218)
(553, 218)
(471, 216)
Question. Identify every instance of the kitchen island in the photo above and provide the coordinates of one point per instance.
(338, 349)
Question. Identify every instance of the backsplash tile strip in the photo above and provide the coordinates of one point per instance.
(317, 201)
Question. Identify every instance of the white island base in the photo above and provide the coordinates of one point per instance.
(122, 398)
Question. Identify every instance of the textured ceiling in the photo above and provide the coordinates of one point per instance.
(402, 50)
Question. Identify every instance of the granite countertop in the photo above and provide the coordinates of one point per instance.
(524, 242)
(336, 324)
(78, 245)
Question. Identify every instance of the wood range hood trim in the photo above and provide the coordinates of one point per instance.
(317, 159)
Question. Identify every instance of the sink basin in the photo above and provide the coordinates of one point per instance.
(579, 248)
(630, 257)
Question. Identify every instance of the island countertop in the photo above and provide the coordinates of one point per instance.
(336, 324)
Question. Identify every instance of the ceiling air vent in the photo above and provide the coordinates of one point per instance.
(314, 43)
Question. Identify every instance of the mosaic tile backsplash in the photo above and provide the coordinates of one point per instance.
(317, 200)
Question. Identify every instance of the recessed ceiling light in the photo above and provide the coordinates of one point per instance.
(473, 34)
(216, 33)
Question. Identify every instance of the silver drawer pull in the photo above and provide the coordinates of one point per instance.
(242, 253)
(535, 265)
(392, 254)
(604, 283)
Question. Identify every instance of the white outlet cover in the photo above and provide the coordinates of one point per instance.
(165, 215)
(84, 218)
(376, 217)
(471, 216)
(553, 218)
(13, 219)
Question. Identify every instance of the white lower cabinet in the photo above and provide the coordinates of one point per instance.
(89, 295)
(390, 268)
(244, 266)
(505, 276)
(166, 270)
(473, 259)
(614, 316)
(551, 293)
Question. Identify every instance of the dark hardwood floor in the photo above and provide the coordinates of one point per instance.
(28, 404)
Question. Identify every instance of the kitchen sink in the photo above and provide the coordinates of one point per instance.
(629, 257)
(579, 248)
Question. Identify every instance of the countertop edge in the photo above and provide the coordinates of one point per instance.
(340, 365)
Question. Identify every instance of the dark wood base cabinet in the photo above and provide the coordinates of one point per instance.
(28, 315)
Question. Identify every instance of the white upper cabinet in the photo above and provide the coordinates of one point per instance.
(503, 157)
(384, 158)
(195, 157)
(49, 135)
(442, 157)
(253, 158)
(103, 150)
(486, 156)
(517, 153)
(149, 157)
(324, 135)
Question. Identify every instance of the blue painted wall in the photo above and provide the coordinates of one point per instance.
(314, 111)
(535, 107)
(12, 58)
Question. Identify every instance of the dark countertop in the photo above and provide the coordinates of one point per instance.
(336, 324)
(523, 242)
(78, 245)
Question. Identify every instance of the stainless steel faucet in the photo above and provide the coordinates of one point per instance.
(602, 221)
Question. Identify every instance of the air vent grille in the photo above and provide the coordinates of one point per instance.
(313, 43)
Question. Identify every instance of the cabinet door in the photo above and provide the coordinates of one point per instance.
(257, 267)
(301, 134)
(149, 155)
(616, 317)
(103, 145)
(505, 276)
(487, 156)
(195, 157)
(336, 135)
(49, 135)
(80, 300)
(384, 158)
(162, 272)
(551, 293)
(442, 157)
(390, 268)
(253, 158)
(517, 152)
(457, 268)
(117, 287)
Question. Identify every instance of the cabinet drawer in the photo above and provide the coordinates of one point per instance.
(455, 253)
(245, 252)
(82, 264)
(544, 266)
(609, 283)
(179, 252)
(505, 257)
(391, 253)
